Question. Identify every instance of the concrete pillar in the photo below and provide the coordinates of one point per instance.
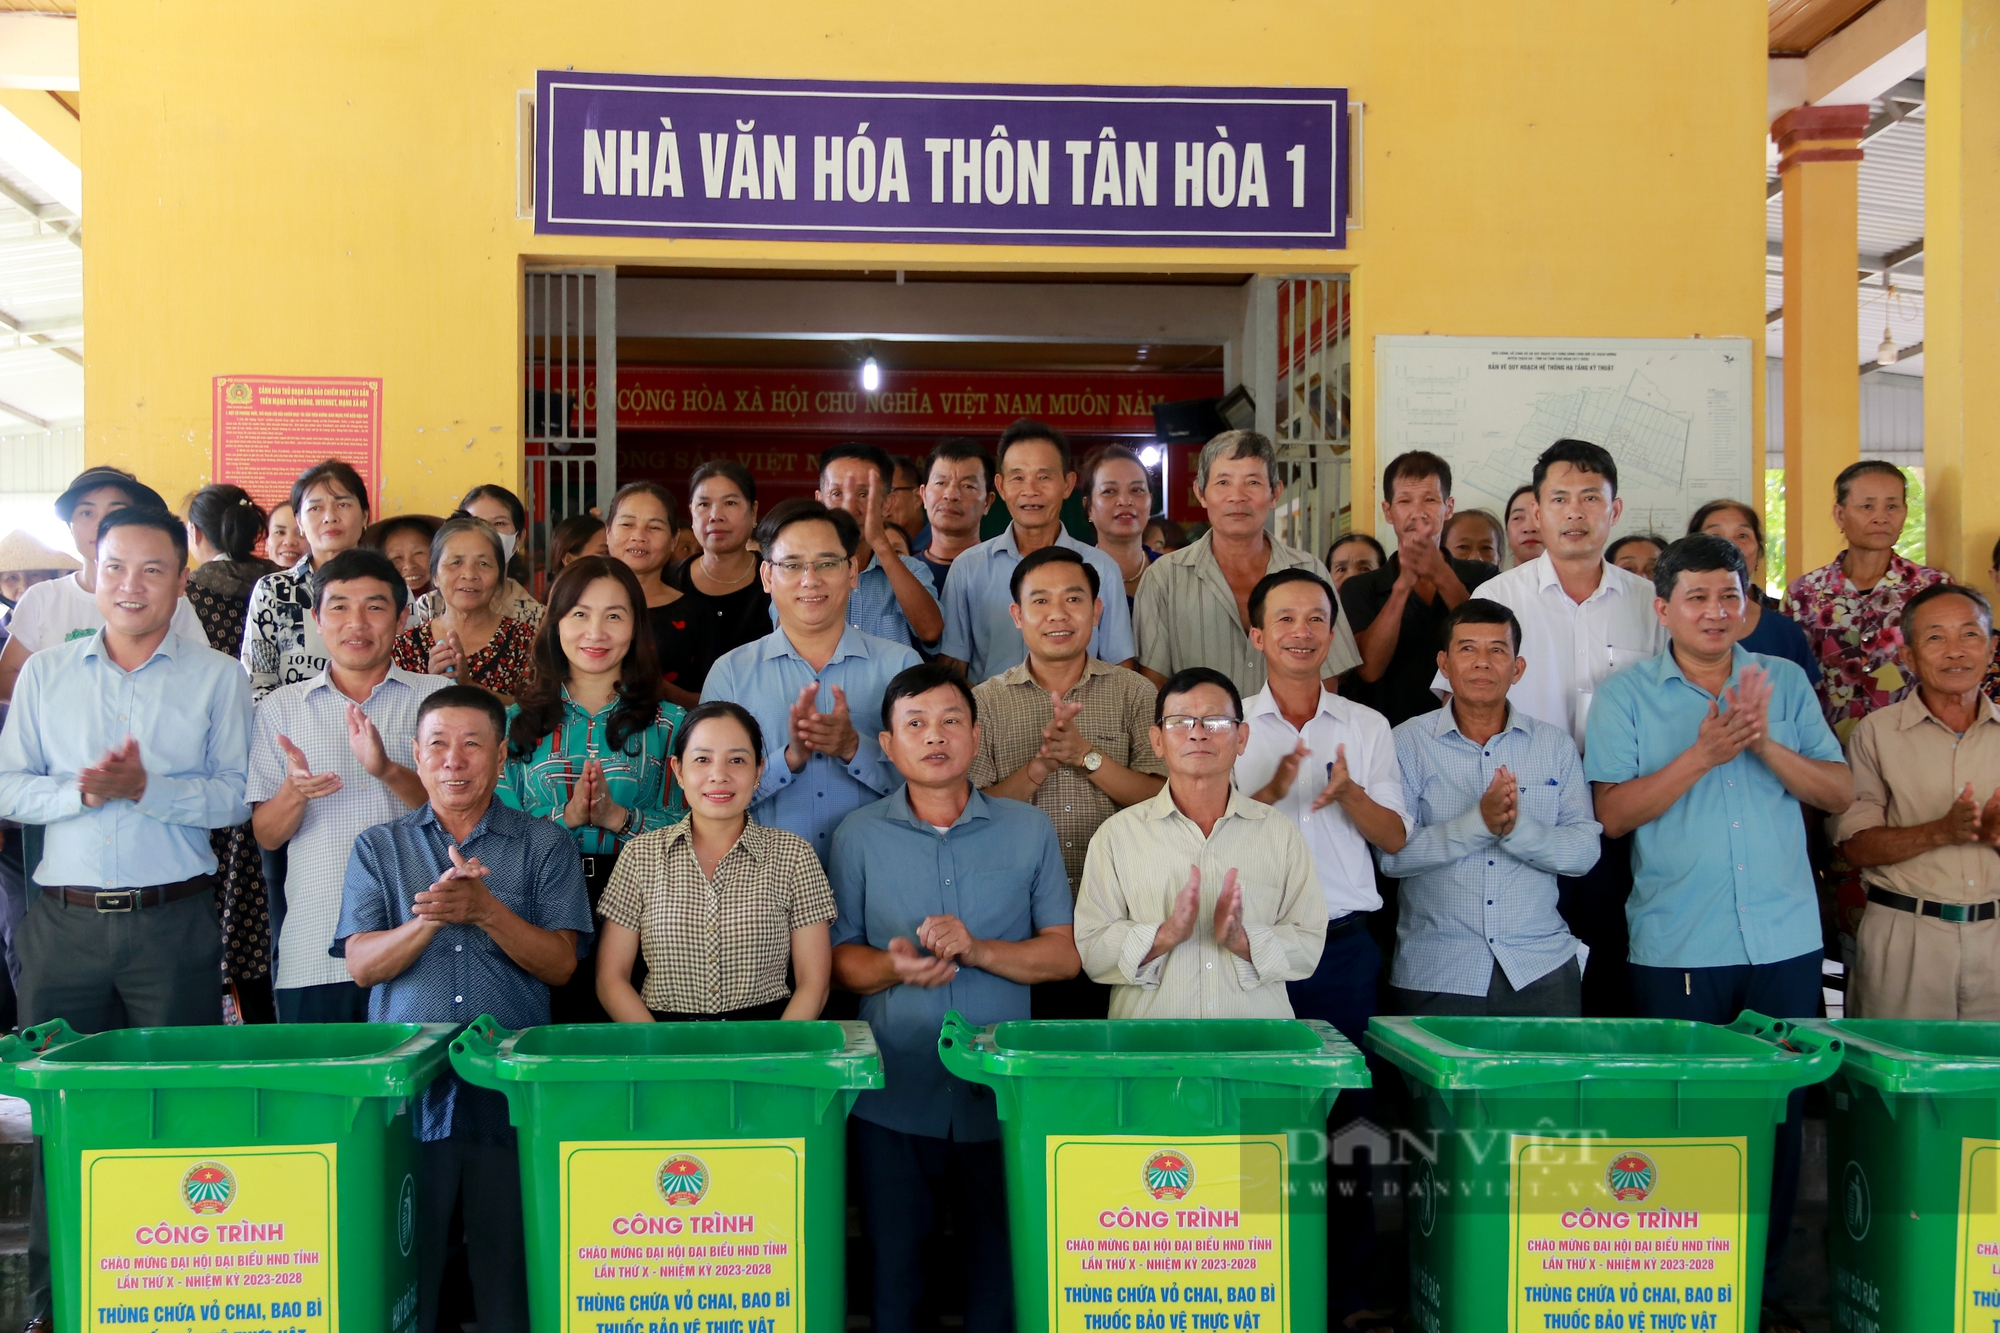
(1819, 156)
(1962, 286)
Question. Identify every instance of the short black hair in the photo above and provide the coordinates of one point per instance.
(1188, 678)
(359, 562)
(1027, 428)
(1052, 555)
(802, 509)
(1937, 590)
(1867, 467)
(145, 516)
(508, 500)
(1278, 578)
(330, 470)
(652, 488)
(465, 696)
(873, 455)
(1482, 611)
(1701, 553)
(1415, 466)
(909, 467)
(730, 471)
(1701, 516)
(1486, 516)
(1579, 454)
(1658, 543)
(1527, 488)
(922, 679)
(708, 712)
(1381, 556)
(959, 449)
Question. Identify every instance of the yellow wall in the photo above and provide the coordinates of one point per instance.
(330, 189)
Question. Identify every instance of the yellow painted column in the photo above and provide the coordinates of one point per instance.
(1962, 286)
(1819, 156)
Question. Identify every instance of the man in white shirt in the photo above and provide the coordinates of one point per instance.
(1329, 766)
(1582, 618)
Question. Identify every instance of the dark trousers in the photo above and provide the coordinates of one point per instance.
(152, 967)
(768, 1011)
(902, 1177)
(1079, 997)
(575, 1001)
(1342, 991)
(1555, 994)
(1787, 989)
(334, 1002)
(489, 1176)
(1593, 906)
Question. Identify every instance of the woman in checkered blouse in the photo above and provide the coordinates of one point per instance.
(718, 906)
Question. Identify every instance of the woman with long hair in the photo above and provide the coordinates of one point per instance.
(716, 878)
(281, 644)
(473, 640)
(639, 527)
(589, 739)
(723, 601)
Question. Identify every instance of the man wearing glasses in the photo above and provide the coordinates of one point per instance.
(1200, 902)
(810, 677)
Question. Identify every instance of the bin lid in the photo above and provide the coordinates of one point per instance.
(818, 1054)
(336, 1059)
(1487, 1053)
(1918, 1056)
(1300, 1052)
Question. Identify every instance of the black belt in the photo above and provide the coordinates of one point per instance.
(126, 900)
(1956, 912)
(1341, 925)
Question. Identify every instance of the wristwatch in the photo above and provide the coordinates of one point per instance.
(1092, 762)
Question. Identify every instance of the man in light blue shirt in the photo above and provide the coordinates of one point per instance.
(1036, 476)
(815, 680)
(1705, 754)
(129, 746)
(1502, 809)
(892, 598)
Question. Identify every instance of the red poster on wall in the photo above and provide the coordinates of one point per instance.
(269, 428)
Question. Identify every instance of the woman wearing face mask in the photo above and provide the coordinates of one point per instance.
(639, 526)
(716, 874)
(406, 540)
(1118, 500)
(589, 740)
(723, 602)
(500, 509)
(280, 642)
(283, 542)
(471, 641)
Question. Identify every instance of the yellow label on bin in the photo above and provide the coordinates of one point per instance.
(223, 1238)
(1977, 1309)
(1627, 1233)
(683, 1236)
(1181, 1234)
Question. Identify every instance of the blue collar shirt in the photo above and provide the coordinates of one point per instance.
(1471, 899)
(1720, 879)
(533, 868)
(189, 707)
(980, 632)
(997, 869)
(765, 676)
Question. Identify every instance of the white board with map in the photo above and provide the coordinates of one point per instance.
(1676, 414)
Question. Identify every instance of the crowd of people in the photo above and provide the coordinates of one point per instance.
(848, 755)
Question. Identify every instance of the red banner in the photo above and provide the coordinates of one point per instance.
(916, 402)
(269, 428)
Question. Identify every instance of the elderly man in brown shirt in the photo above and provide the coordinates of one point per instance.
(1925, 824)
(1066, 732)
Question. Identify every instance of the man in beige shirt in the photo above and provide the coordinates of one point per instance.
(1193, 606)
(1925, 824)
(1199, 902)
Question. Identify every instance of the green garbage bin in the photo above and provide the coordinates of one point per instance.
(1913, 1175)
(1570, 1173)
(1163, 1174)
(233, 1178)
(681, 1177)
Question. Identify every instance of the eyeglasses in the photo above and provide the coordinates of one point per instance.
(898, 490)
(792, 569)
(1215, 726)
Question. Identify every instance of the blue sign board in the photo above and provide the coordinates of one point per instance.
(994, 164)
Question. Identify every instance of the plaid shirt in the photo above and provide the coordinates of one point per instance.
(1117, 719)
(713, 946)
(1855, 635)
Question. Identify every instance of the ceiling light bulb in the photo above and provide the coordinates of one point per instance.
(1885, 355)
(1150, 455)
(871, 376)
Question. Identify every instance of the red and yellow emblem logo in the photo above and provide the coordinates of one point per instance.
(1169, 1175)
(682, 1180)
(208, 1189)
(1631, 1176)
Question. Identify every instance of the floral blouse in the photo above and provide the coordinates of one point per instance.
(502, 666)
(280, 642)
(1855, 635)
(637, 777)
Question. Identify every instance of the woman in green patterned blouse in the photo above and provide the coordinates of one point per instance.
(589, 741)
